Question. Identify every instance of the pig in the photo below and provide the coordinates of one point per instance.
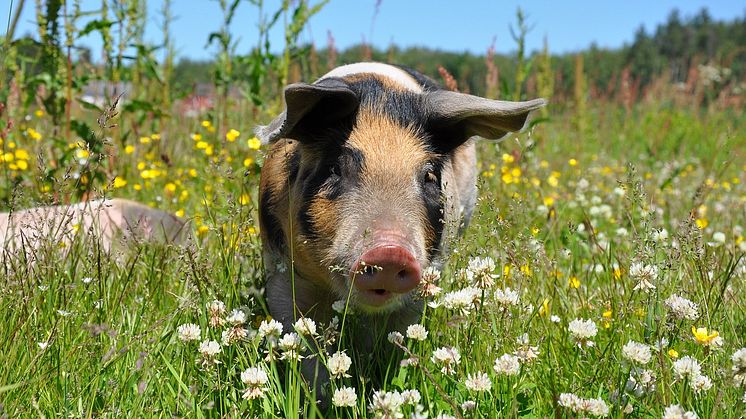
(24, 232)
(370, 172)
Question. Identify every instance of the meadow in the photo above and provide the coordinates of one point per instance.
(603, 274)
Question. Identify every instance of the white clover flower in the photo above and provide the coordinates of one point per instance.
(681, 308)
(718, 239)
(686, 367)
(255, 379)
(417, 332)
(571, 401)
(209, 348)
(428, 282)
(596, 407)
(637, 352)
(447, 357)
(234, 334)
(478, 382)
(386, 404)
(507, 364)
(660, 235)
(87, 280)
(344, 397)
(645, 275)
(305, 326)
(339, 306)
(582, 331)
(622, 232)
(480, 271)
(506, 298)
(188, 332)
(462, 300)
(215, 313)
(525, 352)
(290, 344)
(739, 367)
(554, 318)
(395, 337)
(411, 396)
(641, 382)
(339, 363)
(675, 411)
(468, 405)
(593, 407)
(700, 383)
(236, 318)
(271, 330)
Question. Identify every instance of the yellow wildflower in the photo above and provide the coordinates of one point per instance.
(34, 134)
(232, 135)
(244, 199)
(508, 158)
(39, 113)
(129, 149)
(701, 223)
(572, 162)
(196, 137)
(206, 124)
(144, 140)
(544, 309)
(119, 182)
(254, 143)
(22, 154)
(22, 164)
(170, 187)
(702, 336)
(82, 153)
(202, 229)
(180, 213)
(672, 353)
(248, 162)
(574, 282)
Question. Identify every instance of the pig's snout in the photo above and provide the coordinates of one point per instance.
(384, 271)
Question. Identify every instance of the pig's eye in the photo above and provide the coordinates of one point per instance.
(335, 171)
(429, 176)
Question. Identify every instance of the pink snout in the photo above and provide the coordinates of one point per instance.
(384, 271)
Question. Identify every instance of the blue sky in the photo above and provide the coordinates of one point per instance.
(466, 25)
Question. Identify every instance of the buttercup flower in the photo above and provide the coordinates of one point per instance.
(702, 336)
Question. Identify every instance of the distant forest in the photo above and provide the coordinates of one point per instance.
(671, 51)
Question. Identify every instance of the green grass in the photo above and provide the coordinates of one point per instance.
(111, 342)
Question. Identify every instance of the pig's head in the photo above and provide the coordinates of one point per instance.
(371, 186)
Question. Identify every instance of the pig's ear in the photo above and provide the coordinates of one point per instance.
(309, 107)
(464, 116)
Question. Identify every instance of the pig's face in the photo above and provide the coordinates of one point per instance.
(372, 182)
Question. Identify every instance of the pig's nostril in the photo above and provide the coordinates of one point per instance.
(379, 291)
